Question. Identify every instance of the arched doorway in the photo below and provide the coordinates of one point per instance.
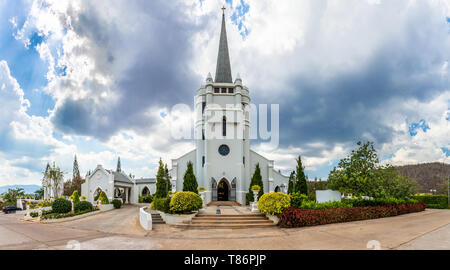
(223, 190)
(97, 194)
(145, 192)
(277, 189)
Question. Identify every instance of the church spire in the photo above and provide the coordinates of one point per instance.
(223, 69)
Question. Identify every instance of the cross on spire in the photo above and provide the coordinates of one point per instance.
(223, 69)
(223, 10)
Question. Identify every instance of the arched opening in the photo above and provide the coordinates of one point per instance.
(277, 189)
(223, 190)
(145, 192)
(97, 194)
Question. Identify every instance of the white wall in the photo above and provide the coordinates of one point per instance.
(100, 178)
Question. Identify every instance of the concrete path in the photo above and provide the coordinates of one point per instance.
(119, 229)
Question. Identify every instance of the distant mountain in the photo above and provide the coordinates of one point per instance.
(428, 175)
(29, 189)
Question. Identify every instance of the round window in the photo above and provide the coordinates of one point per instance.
(224, 150)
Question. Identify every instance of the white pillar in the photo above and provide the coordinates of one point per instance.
(126, 195)
(255, 202)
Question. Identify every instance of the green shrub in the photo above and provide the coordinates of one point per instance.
(117, 204)
(201, 189)
(82, 206)
(433, 201)
(377, 202)
(274, 203)
(103, 198)
(185, 202)
(297, 199)
(61, 206)
(146, 199)
(161, 204)
(326, 205)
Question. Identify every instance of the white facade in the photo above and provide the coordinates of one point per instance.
(223, 161)
(223, 157)
(116, 185)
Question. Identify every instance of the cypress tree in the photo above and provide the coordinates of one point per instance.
(161, 188)
(300, 183)
(256, 180)
(189, 180)
(291, 183)
(169, 183)
(76, 170)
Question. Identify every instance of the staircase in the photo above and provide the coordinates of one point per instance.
(156, 219)
(247, 221)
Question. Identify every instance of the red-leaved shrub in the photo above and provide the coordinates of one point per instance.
(292, 217)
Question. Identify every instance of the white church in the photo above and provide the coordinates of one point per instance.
(223, 161)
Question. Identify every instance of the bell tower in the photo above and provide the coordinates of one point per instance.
(222, 130)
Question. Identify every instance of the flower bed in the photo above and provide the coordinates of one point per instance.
(292, 217)
(67, 215)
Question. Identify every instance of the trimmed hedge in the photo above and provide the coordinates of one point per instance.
(273, 203)
(82, 206)
(325, 205)
(297, 199)
(61, 206)
(376, 202)
(146, 199)
(103, 198)
(161, 204)
(292, 218)
(117, 204)
(434, 201)
(185, 202)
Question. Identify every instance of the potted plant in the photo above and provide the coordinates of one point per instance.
(255, 189)
(201, 191)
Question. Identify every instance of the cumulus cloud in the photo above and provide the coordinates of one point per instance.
(342, 71)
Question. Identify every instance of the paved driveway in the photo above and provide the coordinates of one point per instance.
(119, 229)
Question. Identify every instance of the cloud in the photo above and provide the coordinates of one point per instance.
(341, 72)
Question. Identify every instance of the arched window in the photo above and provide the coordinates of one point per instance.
(224, 126)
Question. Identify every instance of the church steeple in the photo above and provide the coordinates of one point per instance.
(223, 69)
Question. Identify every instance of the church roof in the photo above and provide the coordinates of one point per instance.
(120, 177)
(146, 181)
(223, 69)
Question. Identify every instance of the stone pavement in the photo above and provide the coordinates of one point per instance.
(119, 229)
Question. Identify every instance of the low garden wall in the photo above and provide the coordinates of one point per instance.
(145, 219)
(292, 217)
(106, 207)
(24, 212)
(174, 219)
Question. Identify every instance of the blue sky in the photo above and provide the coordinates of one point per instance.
(88, 79)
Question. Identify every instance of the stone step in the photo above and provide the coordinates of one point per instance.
(230, 216)
(231, 219)
(231, 222)
(224, 226)
(156, 219)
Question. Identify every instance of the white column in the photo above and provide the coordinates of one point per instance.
(126, 195)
